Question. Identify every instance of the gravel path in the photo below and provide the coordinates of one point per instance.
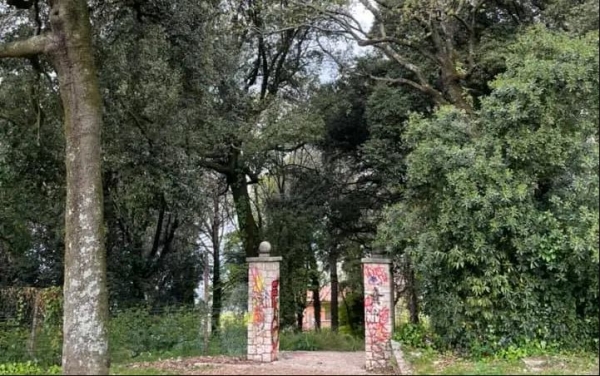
(290, 363)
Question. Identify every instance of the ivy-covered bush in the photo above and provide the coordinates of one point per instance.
(500, 215)
(32, 326)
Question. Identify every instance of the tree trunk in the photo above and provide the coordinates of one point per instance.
(247, 223)
(69, 47)
(454, 90)
(348, 314)
(316, 303)
(455, 93)
(216, 282)
(315, 288)
(206, 319)
(334, 291)
(299, 320)
(413, 299)
(85, 334)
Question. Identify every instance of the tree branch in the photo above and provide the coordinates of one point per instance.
(215, 167)
(32, 46)
(437, 96)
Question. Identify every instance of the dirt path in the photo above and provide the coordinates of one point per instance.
(290, 363)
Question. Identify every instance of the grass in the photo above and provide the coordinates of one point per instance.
(430, 362)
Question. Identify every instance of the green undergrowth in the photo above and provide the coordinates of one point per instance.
(426, 356)
(28, 368)
(324, 340)
(432, 362)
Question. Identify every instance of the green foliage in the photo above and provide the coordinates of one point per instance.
(140, 333)
(31, 178)
(415, 335)
(19, 341)
(135, 334)
(352, 314)
(501, 209)
(27, 368)
(233, 338)
(324, 340)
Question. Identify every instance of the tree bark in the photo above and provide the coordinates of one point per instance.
(315, 288)
(248, 227)
(413, 299)
(85, 343)
(69, 47)
(299, 320)
(316, 302)
(206, 319)
(334, 290)
(216, 282)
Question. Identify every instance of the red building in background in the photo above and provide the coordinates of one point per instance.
(309, 312)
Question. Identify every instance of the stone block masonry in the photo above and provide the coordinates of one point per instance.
(379, 312)
(263, 306)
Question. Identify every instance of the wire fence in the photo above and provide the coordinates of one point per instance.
(31, 330)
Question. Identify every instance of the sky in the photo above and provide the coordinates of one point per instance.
(365, 18)
(362, 15)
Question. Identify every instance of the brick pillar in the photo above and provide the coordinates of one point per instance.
(263, 305)
(379, 311)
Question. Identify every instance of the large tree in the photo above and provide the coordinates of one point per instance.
(500, 215)
(67, 45)
(436, 44)
(262, 72)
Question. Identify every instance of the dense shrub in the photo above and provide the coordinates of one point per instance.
(140, 332)
(500, 216)
(16, 345)
(233, 336)
(414, 335)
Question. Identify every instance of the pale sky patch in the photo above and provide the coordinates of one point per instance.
(346, 49)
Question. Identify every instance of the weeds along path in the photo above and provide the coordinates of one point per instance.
(290, 363)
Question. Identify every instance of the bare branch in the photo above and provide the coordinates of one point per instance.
(426, 89)
(463, 22)
(289, 149)
(215, 166)
(32, 46)
(389, 52)
(326, 51)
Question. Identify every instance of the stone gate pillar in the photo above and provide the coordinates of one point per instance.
(379, 311)
(263, 305)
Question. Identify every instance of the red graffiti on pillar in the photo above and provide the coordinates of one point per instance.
(376, 275)
(275, 322)
(376, 315)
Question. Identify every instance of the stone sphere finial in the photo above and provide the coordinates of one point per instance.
(264, 248)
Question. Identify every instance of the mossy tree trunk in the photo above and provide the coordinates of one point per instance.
(68, 46)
